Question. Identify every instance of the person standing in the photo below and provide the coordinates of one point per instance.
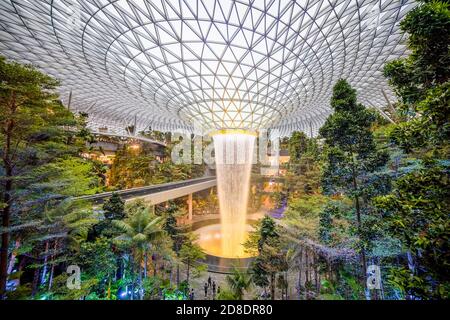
(206, 290)
(209, 281)
(214, 288)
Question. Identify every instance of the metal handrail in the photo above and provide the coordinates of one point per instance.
(140, 191)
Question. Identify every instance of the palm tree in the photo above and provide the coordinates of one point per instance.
(238, 282)
(140, 230)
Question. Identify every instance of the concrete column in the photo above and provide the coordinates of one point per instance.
(190, 206)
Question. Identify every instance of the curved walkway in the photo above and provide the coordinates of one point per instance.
(157, 193)
(140, 138)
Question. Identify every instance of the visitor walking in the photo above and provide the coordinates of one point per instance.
(214, 288)
(218, 290)
(209, 281)
(206, 290)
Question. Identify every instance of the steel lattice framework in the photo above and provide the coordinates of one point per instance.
(175, 64)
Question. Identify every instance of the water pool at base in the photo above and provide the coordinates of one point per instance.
(210, 239)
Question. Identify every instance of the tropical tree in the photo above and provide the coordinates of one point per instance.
(140, 230)
(34, 139)
(421, 80)
(97, 260)
(351, 155)
(113, 209)
(175, 232)
(270, 260)
(190, 254)
(266, 232)
(239, 282)
(259, 275)
(416, 212)
(298, 143)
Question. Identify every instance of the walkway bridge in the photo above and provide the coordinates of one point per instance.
(159, 193)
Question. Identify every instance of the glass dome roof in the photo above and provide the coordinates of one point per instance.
(179, 64)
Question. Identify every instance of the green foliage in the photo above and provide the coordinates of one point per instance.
(141, 233)
(175, 232)
(271, 256)
(70, 176)
(327, 225)
(266, 232)
(136, 168)
(226, 294)
(140, 227)
(75, 218)
(298, 144)
(352, 164)
(421, 80)
(302, 214)
(303, 175)
(238, 282)
(431, 128)
(191, 253)
(97, 261)
(155, 286)
(260, 276)
(428, 28)
(114, 208)
(351, 150)
(417, 213)
(60, 291)
(40, 165)
(328, 291)
(417, 286)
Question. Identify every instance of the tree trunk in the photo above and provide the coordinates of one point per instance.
(300, 269)
(52, 270)
(272, 286)
(45, 266)
(132, 277)
(358, 218)
(12, 259)
(6, 212)
(299, 284)
(363, 253)
(316, 274)
(35, 283)
(5, 243)
(178, 274)
(287, 284)
(141, 289)
(411, 263)
(188, 270)
(145, 263)
(306, 268)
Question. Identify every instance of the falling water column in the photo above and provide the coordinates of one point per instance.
(234, 155)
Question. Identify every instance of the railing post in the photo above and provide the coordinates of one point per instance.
(190, 206)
